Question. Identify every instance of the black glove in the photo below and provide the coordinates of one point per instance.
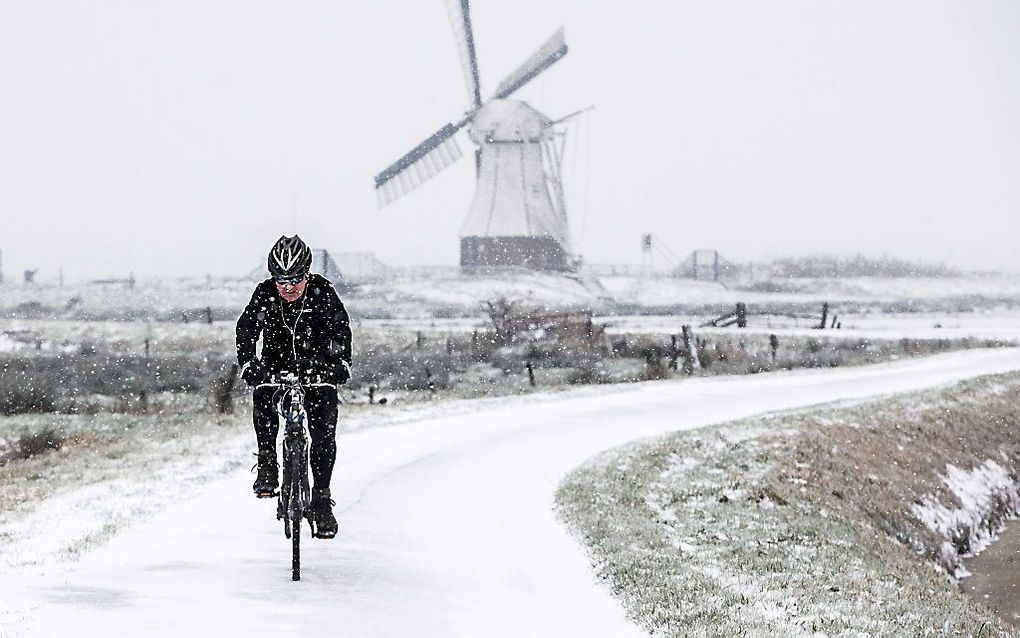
(335, 373)
(342, 373)
(254, 373)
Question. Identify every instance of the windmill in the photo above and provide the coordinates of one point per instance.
(517, 216)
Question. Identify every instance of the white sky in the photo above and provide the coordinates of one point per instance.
(184, 137)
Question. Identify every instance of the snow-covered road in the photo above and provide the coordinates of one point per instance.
(447, 527)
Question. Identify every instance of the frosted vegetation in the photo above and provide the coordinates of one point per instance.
(843, 520)
(68, 367)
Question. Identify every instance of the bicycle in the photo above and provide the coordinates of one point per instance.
(295, 491)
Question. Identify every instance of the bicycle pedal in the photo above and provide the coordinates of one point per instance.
(266, 494)
(323, 536)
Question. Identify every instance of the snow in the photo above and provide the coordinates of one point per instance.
(447, 522)
(417, 293)
(980, 491)
(990, 324)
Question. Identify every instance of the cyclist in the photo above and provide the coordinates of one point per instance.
(305, 330)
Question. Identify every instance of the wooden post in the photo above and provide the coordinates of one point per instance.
(834, 321)
(825, 315)
(741, 315)
(371, 395)
(420, 340)
(774, 345)
(429, 379)
(674, 353)
(146, 347)
(223, 389)
(690, 351)
(531, 374)
(208, 315)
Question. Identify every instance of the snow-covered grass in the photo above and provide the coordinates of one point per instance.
(447, 293)
(944, 292)
(110, 471)
(824, 521)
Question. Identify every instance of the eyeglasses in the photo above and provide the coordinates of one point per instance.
(289, 281)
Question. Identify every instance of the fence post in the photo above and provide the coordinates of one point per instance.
(531, 374)
(430, 381)
(674, 353)
(741, 314)
(690, 351)
(774, 345)
(223, 389)
(825, 315)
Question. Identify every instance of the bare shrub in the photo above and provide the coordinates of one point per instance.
(48, 383)
(26, 399)
(33, 443)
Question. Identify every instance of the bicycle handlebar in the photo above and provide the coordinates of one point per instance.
(291, 381)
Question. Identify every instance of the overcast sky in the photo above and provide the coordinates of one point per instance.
(184, 137)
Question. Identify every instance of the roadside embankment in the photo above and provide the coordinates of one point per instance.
(845, 519)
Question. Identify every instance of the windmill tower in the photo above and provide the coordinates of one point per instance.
(517, 216)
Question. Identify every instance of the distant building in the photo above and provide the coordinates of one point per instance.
(343, 269)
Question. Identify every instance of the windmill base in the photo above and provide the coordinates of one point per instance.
(535, 253)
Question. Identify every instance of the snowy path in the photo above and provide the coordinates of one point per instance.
(447, 526)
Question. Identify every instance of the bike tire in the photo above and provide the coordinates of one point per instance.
(295, 530)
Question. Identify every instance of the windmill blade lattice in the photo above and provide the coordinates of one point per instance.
(460, 20)
(427, 159)
(547, 54)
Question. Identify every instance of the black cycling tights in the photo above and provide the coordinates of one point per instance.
(321, 406)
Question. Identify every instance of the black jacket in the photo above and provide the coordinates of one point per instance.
(314, 328)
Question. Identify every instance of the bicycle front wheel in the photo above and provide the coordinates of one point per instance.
(296, 513)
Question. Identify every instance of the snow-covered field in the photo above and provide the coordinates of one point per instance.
(448, 293)
(447, 526)
(993, 324)
(447, 523)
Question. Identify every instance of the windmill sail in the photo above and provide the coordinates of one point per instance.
(553, 49)
(422, 163)
(460, 20)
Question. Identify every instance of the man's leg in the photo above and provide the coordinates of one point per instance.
(266, 429)
(321, 405)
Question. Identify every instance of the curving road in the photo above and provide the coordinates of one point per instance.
(447, 526)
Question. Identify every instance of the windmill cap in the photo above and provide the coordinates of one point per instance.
(507, 121)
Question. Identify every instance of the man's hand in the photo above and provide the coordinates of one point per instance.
(254, 373)
(336, 373)
(343, 373)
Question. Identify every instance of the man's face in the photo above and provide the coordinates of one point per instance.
(292, 289)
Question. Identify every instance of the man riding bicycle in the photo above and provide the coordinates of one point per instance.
(305, 330)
